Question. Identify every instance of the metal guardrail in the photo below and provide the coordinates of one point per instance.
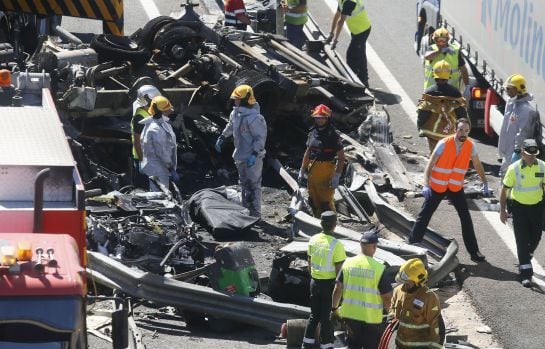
(254, 311)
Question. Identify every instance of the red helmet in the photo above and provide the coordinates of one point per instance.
(320, 111)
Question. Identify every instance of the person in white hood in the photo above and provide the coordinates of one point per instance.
(520, 121)
(249, 131)
(159, 144)
(140, 107)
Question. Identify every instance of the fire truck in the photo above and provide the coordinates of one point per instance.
(42, 221)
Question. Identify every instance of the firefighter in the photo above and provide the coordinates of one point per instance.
(295, 17)
(353, 13)
(140, 107)
(249, 131)
(520, 121)
(444, 176)
(159, 143)
(450, 52)
(416, 307)
(324, 173)
(365, 291)
(524, 180)
(236, 15)
(325, 258)
(441, 105)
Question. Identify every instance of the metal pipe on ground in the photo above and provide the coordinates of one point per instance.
(258, 312)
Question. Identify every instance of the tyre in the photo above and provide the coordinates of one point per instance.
(119, 49)
(184, 37)
(145, 39)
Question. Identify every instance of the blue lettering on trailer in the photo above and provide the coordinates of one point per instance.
(520, 30)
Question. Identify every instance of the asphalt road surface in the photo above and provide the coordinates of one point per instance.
(514, 314)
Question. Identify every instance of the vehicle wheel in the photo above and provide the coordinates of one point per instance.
(222, 325)
(119, 49)
(175, 34)
(193, 319)
(150, 30)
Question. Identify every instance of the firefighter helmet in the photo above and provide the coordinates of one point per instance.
(161, 103)
(441, 70)
(320, 111)
(441, 33)
(517, 81)
(412, 270)
(244, 93)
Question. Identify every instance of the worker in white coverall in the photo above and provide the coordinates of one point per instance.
(159, 144)
(519, 122)
(249, 131)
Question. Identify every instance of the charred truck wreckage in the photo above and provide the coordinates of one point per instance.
(149, 245)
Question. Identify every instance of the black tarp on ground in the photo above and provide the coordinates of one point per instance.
(222, 218)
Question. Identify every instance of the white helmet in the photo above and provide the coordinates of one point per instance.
(144, 95)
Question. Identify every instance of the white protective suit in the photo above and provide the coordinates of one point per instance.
(519, 123)
(249, 131)
(159, 150)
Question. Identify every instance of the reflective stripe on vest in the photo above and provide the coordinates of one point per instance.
(318, 264)
(416, 327)
(418, 344)
(361, 297)
(143, 113)
(357, 22)
(295, 18)
(452, 59)
(518, 186)
(450, 169)
(231, 16)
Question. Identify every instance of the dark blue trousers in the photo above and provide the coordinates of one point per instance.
(356, 55)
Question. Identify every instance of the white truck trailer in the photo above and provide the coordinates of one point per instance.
(498, 38)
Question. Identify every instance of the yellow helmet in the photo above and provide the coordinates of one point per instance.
(244, 92)
(441, 33)
(412, 270)
(517, 81)
(441, 70)
(162, 103)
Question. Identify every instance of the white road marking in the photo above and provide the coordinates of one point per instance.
(150, 8)
(493, 218)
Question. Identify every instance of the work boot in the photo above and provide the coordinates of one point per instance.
(526, 283)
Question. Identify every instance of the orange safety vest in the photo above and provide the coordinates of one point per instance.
(450, 169)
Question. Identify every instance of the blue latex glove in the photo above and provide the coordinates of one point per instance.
(467, 93)
(486, 192)
(301, 177)
(426, 192)
(219, 143)
(174, 176)
(251, 160)
(335, 180)
(448, 50)
(515, 156)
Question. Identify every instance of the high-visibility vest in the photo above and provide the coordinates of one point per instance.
(528, 190)
(361, 297)
(357, 22)
(321, 248)
(295, 18)
(143, 113)
(452, 59)
(450, 169)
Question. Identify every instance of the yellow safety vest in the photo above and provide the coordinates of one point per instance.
(361, 297)
(357, 22)
(144, 113)
(324, 251)
(295, 18)
(528, 188)
(452, 59)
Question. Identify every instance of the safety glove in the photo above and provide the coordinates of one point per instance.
(219, 143)
(301, 177)
(486, 192)
(515, 156)
(426, 192)
(174, 176)
(251, 160)
(448, 50)
(467, 93)
(335, 180)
